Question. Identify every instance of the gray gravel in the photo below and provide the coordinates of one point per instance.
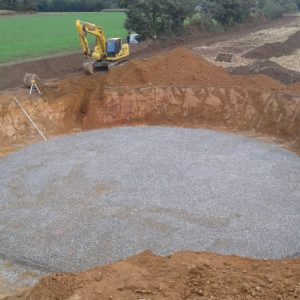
(96, 197)
(13, 276)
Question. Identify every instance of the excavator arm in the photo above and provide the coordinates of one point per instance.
(99, 51)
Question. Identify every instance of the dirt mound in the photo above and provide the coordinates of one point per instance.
(181, 67)
(270, 69)
(185, 275)
(275, 49)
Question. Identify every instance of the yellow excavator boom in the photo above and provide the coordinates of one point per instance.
(85, 28)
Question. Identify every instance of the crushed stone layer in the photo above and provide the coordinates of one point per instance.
(14, 277)
(89, 199)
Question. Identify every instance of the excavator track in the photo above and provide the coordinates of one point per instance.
(90, 66)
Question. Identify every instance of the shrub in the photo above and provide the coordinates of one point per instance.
(227, 12)
(298, 4)
(290, 6)
(272, 9)
(205, 22)
(257, 16)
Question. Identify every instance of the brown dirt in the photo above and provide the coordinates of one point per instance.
(184, 275)
(12, 75)
(182, 67)
(268, 68)
(276, 49)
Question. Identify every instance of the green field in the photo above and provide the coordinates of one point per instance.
(23, 37)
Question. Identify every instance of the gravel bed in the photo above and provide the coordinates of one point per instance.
(97, 197)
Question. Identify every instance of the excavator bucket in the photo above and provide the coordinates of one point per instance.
(89, 67)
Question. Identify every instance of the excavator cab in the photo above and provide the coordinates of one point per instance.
(113, 47)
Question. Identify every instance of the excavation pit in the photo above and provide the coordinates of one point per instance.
(96, 197)
(100, 196)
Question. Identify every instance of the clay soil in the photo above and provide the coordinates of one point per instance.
(179, 88)
(184, 275)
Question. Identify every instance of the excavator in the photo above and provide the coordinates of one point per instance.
(106, 53)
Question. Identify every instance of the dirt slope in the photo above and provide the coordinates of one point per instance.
(184, 275)
(276, 49)
(268, 68)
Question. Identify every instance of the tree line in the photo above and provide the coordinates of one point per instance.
(152, 18)
(164, 17)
